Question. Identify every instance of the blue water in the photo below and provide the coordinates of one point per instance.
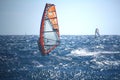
(76, 58)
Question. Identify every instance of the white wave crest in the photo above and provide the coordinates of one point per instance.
(37, 64)
(84, 52)
(103, 64)
(81, 52)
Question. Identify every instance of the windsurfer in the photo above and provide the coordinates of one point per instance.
(97, 32)
(49, 30)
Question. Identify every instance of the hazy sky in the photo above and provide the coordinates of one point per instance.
(75, 17)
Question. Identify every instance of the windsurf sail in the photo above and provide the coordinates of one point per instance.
(49, 30)
(97, 34)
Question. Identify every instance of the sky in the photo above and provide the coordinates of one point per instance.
(75, 17)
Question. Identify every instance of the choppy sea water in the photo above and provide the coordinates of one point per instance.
(76, 58)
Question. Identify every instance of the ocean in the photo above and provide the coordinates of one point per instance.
(80, 57)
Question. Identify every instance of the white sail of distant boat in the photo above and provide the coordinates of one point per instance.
(97, 34)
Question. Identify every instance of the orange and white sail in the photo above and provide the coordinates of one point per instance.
(49, 30)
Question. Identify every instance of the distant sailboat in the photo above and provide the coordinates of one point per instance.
(49, 30)
(97, 34)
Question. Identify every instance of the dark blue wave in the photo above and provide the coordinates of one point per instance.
(76, 58)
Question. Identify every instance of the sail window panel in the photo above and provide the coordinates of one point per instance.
(47, 26)
(50, 38)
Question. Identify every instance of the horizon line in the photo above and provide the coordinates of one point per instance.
(60, 35)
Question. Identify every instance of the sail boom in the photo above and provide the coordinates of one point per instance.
(50, 18)
(48, 31)
(50, 45)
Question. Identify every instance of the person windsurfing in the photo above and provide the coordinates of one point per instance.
(97, 34)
